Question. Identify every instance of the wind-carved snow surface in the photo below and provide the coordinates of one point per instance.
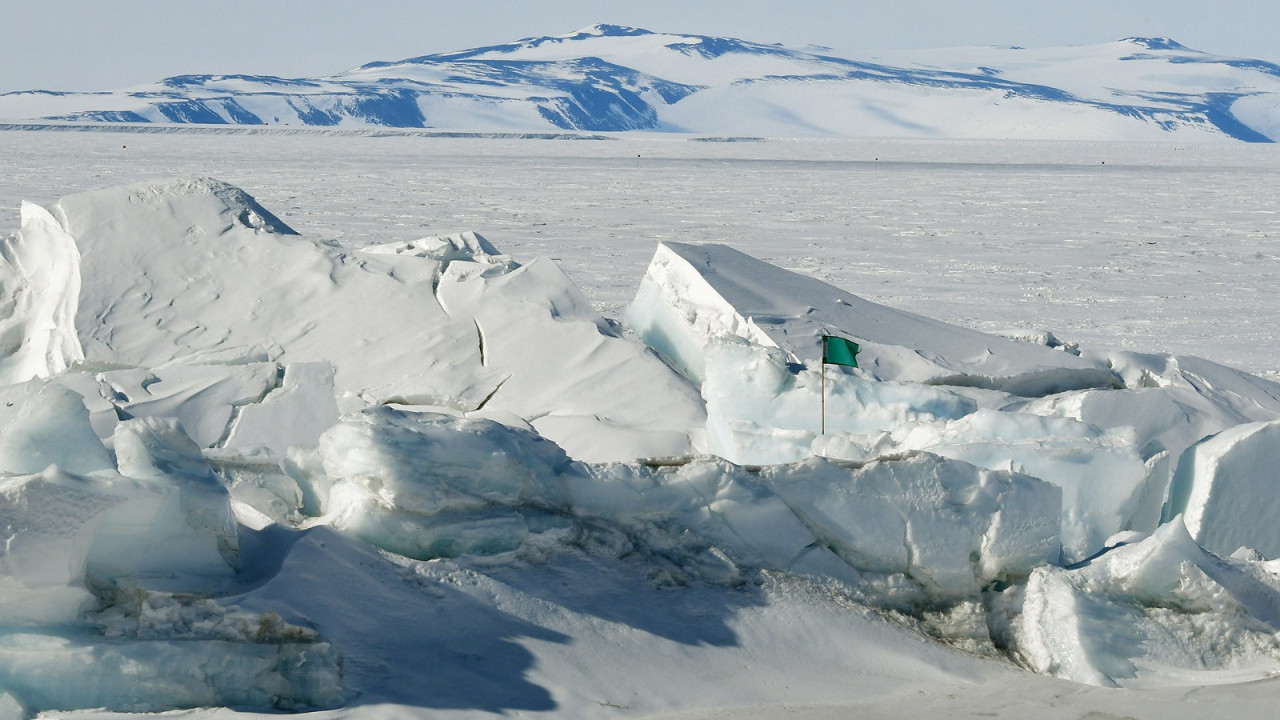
(277, 461)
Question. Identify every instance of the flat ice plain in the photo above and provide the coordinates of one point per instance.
(1149, 247)
(1143, 247)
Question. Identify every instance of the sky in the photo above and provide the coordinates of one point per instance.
(111, 44)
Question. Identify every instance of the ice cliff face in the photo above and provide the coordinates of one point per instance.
(615, 79)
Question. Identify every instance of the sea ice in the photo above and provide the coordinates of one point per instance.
(1225, 489)
(48, 523)
(244, 387)
(51, 426)
(692, 295)
(763, 410)
(432, 485)
(39, 294)
(1161, 611)
(176, 518)
(1107, 428)
(178, 269)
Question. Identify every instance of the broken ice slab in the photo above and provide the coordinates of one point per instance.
(1158, 612)
(1226, 489)
(51, 670)
(39, 294)
(176, 518)
(693, 294)
(179, 268)
(428, 485)
(48, 523)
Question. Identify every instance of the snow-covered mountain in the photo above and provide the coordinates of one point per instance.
(609, 78)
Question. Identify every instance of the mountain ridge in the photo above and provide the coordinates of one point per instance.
(613, 78)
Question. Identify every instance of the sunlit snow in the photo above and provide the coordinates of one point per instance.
(294, 453)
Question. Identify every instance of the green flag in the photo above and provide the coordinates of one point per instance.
(838, 351)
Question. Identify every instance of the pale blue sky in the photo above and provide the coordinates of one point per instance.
(108, 44)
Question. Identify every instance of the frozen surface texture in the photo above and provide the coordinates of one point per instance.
(420, 477)
(439, 321)
(39, 291)
(1142, 614)
(1106, 428)
(1225, 487)
(428, 486)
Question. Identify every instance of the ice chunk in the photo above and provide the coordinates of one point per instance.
(694, 294)
(761, 411)
(305, 466)
(51, 427)
(1226, 489)
(469, 247)
(69, 671)
(256, 477)
(176, 517)
(1171, 404)
(597, 395)
(1244, 396)
(949, 526)
(693, 510)
(173, 269)
(429, 462)
(1158, 612)
(204, 398)
(12, 709)
(39, 294)
(1103, 478)
(295, 413)
(427, 484)
(47, 525)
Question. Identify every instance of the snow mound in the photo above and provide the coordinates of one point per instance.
(173, 270)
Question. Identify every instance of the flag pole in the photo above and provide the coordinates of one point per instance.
(823, 352)
(835, 351)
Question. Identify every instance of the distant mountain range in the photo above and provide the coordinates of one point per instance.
(609, 78)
